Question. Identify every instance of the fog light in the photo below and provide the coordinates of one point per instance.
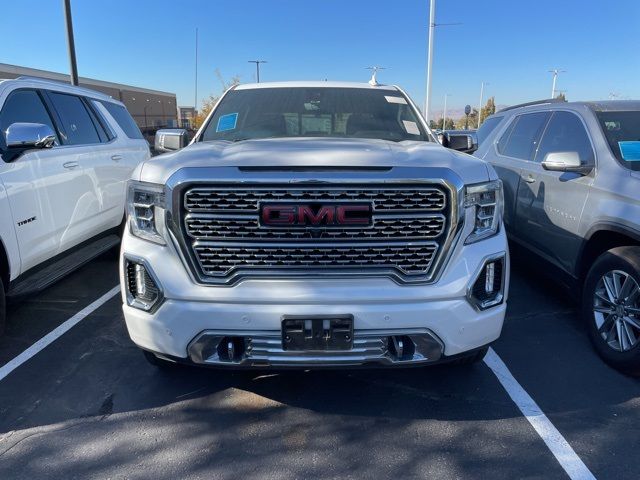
(487, 288)
(143, 291)
(490, 274)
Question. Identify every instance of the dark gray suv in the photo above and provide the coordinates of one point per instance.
(571, 175)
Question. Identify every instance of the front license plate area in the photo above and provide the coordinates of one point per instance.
(319, 333)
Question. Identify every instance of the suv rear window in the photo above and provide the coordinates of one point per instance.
(622, 127)
(77, 125)
(521, 140)
(123, 117)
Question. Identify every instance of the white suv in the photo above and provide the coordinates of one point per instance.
(314, 224)
(66, 155)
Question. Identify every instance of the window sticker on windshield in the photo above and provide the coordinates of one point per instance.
(411, 127)
(396, 100)
(227, 122)
(630, 151)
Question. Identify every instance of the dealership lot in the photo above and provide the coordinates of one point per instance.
(89, 406)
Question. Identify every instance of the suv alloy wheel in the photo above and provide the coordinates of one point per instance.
(611, 306)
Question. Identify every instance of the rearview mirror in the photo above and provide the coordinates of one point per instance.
(462, 142)
(564, 162)
(30, 135)
(170, 139)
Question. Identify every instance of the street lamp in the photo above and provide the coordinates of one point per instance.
(555, 72)
(145, 113)
(444, 112)
(432, 26)
(257, 62)
(482, 84)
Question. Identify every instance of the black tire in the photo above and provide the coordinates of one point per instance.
(158, 362)
(3, 308)
(623, 259)
(472, 358)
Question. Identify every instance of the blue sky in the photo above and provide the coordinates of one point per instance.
(509, 43)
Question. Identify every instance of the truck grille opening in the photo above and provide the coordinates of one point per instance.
(223, 231)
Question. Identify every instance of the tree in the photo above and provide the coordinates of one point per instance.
(210, 102)
(473, 120)
(449, 124)
(488, 109)
(561, 96)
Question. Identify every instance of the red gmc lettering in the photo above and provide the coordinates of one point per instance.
(278, 214)
(343, 217)
(330, 215)
(305, 212)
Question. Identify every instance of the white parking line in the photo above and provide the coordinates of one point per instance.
(53, 335)
(560, 448)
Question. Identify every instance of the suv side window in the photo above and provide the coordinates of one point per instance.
(565, 133)
(488, 126)
(122, 116)
(521, 140)
(24, 106)
(77, 126)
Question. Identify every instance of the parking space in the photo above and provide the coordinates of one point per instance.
(89, 406)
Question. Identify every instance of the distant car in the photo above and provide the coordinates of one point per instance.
(66, 155)
(571, 175)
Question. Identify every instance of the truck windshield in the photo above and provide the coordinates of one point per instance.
(314, 112)
(622, 131)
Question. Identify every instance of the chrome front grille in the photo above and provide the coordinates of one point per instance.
(222, 232)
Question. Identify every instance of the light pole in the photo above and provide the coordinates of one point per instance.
(70, 42)
(432, 26)
(444, 112)
(555, 72)
(257, 62)
(482, 84)
(145, 114)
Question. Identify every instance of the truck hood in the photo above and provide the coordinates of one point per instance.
(315, 153)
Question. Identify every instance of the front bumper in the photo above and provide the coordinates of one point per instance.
(439, 319)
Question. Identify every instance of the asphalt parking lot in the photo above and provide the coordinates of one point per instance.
(89, 406)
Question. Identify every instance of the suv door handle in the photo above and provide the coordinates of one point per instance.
(116, 158)
(71, 165)
(530, 179)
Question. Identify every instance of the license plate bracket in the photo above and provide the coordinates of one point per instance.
(317, 333)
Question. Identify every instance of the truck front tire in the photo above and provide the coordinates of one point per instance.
(611, 307)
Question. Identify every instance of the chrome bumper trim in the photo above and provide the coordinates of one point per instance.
(264, 349)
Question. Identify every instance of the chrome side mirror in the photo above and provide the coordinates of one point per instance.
(462, 142)
(170, 139)
(29, 135)
(564, 162)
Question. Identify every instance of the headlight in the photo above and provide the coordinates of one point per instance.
(143, 202)
(487, 200)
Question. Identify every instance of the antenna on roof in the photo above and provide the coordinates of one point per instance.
(374, 82)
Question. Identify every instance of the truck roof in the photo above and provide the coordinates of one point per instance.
(314, 84)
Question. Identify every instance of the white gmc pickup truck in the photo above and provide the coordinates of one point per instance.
(314, 224)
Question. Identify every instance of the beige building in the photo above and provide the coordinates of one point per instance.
(150, 108)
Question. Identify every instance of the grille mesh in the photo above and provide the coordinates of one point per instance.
(221, 228)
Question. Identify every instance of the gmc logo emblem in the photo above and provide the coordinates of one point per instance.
(285, 215)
